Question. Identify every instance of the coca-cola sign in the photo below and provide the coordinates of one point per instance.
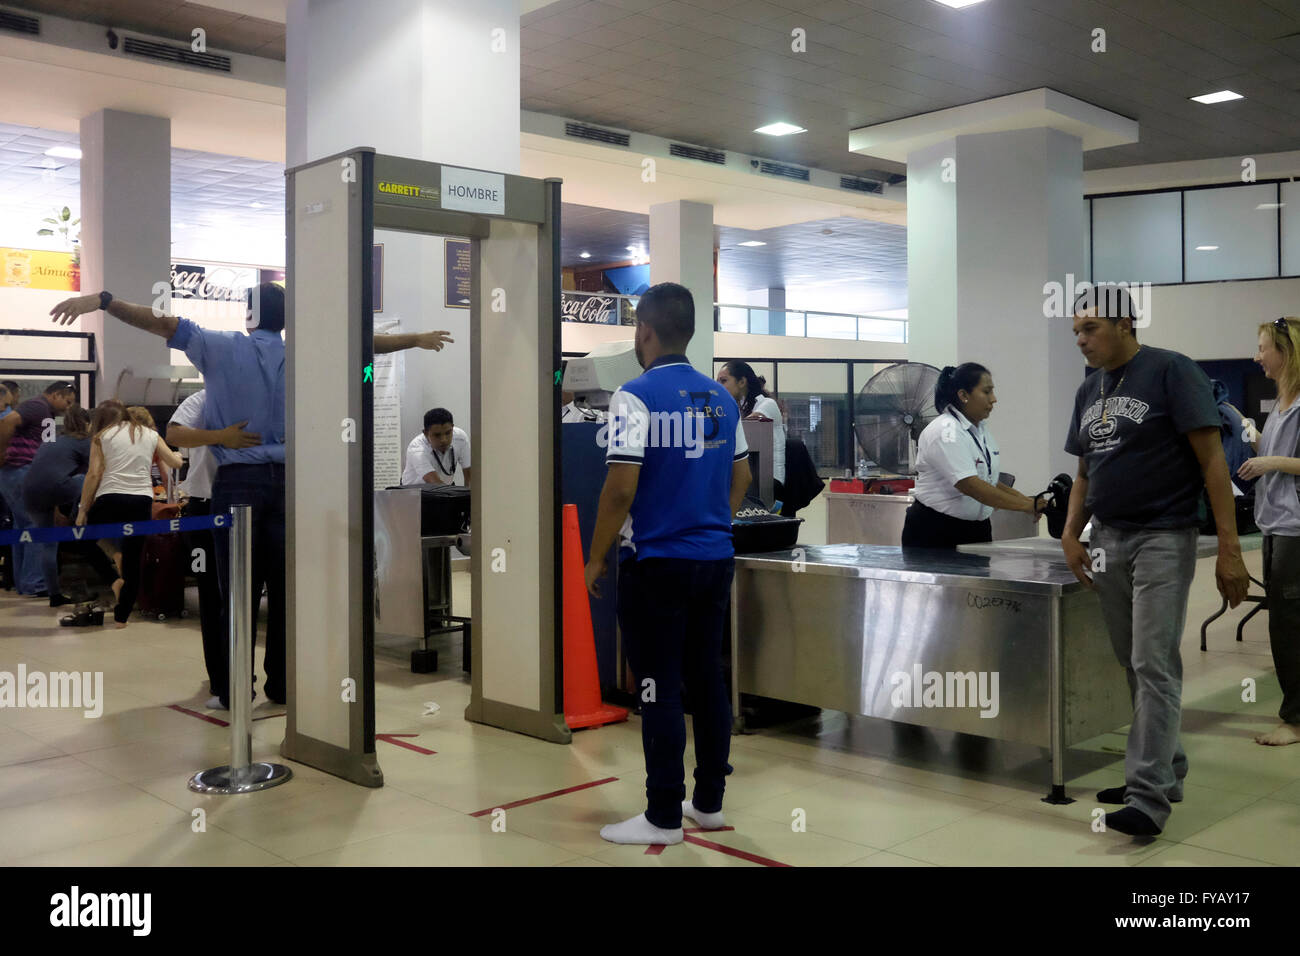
(597, 309)
(217, 283)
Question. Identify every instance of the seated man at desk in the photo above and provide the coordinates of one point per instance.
(432, 456)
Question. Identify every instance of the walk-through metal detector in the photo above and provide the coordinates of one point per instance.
(333, 207)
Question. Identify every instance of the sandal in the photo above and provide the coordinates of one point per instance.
(81, 617)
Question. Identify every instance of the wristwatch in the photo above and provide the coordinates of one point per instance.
(105, 298)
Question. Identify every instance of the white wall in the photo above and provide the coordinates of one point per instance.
(580, 337)
(1217, 320)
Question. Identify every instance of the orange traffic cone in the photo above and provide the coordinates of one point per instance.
(582, 704)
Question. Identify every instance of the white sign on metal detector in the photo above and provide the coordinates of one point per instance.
(473, 191)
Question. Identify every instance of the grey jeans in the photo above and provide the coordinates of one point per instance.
(1143, 592)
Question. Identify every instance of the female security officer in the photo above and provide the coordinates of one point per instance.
(957, 484)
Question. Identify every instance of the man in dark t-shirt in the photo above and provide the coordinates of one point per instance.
(21, 434)
(1146, 431)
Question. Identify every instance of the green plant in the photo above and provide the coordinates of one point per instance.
(63, 224)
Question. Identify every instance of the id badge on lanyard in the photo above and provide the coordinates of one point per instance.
(986, 455)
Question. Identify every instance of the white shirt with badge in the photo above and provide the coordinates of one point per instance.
(950, 449)
(203, 466)
(421, 458)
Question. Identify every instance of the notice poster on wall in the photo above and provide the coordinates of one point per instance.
(388, 410)
(37, 269)
(457, 275)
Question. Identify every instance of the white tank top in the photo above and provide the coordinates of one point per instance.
(127, 462)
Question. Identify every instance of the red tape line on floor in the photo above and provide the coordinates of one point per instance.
(217, 720)
(389, 739)
(544, 796)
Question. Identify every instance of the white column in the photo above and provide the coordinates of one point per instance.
(125, 234)
(681, 250)
(417, 78)
(994, 212)
(776, 311)
(991, 218)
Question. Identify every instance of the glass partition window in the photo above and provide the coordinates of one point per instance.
(817, 410)
(1290, 198)
(1230, 233)
(1137, 238)
(823, 326)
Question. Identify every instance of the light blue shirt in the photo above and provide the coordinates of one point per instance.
(244, 379)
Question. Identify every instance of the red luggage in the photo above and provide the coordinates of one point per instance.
(163, 562)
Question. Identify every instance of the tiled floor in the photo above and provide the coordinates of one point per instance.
(112, 790)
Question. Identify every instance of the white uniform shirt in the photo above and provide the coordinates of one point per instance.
(766, 406)
(127, 463)
(203, 466)
(422, 459)
(950, 449)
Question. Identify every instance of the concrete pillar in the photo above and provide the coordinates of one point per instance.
(125, 235)
(681, 250)
(417, 78)
(994, 214)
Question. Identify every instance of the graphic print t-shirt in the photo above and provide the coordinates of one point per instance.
(1142, 472)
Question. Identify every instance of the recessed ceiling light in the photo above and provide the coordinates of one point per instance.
(1220, 97)
(780, 129)
(753, 242)
(958, 4)
(256, 205)
(64, 152)
(584, 255)
(1270, 205)
(1206, 248)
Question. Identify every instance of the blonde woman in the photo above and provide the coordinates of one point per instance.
(1277, 512)
(119, 485)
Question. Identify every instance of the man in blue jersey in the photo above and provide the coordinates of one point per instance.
(678, 469)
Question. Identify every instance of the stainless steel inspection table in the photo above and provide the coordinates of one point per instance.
(916, 636)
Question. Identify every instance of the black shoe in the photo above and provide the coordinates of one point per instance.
(1117, 795)
(60, 600)
(1131, 821)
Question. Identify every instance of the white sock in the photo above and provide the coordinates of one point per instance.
(640, 830)
(710, 821)
(214, 703)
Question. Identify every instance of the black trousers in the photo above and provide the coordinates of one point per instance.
(672, 615)
(216, 643)
(1282, 586)
(111, 509)
(923, 527)
(262, 487)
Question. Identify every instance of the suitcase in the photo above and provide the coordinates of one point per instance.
(163, 561)
(162, 577)
(444, 509)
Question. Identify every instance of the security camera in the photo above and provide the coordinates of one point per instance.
(112, 40)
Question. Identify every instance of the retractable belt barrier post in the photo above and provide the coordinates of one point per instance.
(241, 775)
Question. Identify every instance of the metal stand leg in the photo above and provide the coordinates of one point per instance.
(1211, 619)
(241, 775)
(1056, 707)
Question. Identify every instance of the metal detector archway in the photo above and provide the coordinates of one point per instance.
(333, 207)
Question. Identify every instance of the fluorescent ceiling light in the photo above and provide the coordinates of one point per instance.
(1206, 248)
(64, 152)
(780, 129)
(1220, 97)
(584, 255)
(753, 242)
(958, 4)
(256, 205)
(1270, 205)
